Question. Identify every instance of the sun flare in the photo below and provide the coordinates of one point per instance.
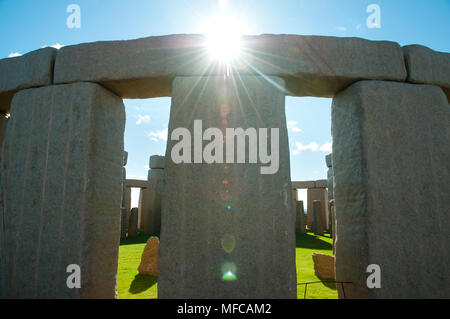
(223, 39)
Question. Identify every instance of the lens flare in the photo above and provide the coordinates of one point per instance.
(223, 39)
(229, 276)
(228, 243)
(229, 272)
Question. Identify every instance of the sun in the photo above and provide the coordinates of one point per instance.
(223, 39)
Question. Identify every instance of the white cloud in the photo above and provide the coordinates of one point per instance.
(56, 46)
(327, 147)
(292, 125)
(14, 54)
(341, 28)
(142, 119)
(159, 135)
(313, 147)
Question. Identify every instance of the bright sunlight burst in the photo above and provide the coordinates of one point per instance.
(223, 39)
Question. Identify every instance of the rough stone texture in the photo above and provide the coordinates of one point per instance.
(157, 162)
(333, 227)
(135, 183)
(149, 259)
(133, 222)
(128, 201)
(151, 211)
(123, 209)
(220, 217)
(294, 206)
(323, 266)
(304, 185)
(328, 160)
(319, 220)
(321, 195)
(391, 170)
(330, 184)
(30, 70)
(61, 176)
(427, 66)
(300, 226)
(3, 123)
(142, 205)
(323, 183)
(310, 65)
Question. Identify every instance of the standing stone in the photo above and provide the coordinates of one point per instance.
(333, 227)
(300, 218)
(128, 202)
(3, 123)
(294, 206)
(323, 266)
(391, 173)
(149, 258)
(142, 205)
(61, 176)
(133, 223)
(152, 205)
(319, 221)
(321, 195)
(124, 213)
(226, 228)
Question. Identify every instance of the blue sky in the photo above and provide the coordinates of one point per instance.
(26, 25)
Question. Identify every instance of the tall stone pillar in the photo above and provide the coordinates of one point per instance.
(123, 208)
(151, 207)
(300, 226)
(321, 195)
(61, 174)
(391, 172)
(3, 123)
(227, 229)
(328, 160)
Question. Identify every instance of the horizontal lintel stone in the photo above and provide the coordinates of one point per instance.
(426, 66)
(310, 65)
(33, 69)
(135, 183)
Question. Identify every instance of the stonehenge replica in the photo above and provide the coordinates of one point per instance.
(62, 167)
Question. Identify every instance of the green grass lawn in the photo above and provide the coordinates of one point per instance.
(131, 285)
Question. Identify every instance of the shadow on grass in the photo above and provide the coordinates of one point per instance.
(142, 283)
(141, 238)
(310, 241)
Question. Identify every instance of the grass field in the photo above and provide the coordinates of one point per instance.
(131, 285)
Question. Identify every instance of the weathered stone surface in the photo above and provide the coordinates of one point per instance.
(321, 195)
(30, 70)
(3, 123)
(123, 223)
(61, 180)
(323, 266)
(319, 220)
(157, 162)
(125, 159)
(300, 225)
(304, 185)
(391, 170)
(328, 160)
(151, 204)
(136, 183)
(427, 66)
(323, 183)
(214, 221)
(310, 65)
(133, 222)
(128, 201)
(333, 227)
(149, 259)
(330, 184)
